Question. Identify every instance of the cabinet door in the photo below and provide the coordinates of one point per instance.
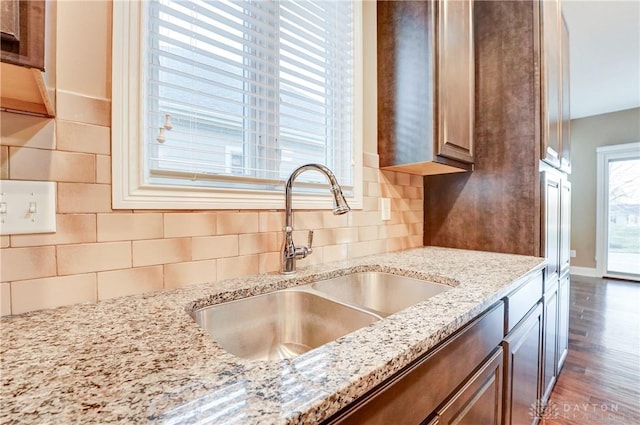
(523, 356)
(480, 399)
(563, 319)
(550, 340)
(456, 80)
(551, 80)
(565, 158)
(22, 32)
(565, 227)
(551, 223)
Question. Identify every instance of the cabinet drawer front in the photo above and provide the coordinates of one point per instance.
(415, 393)
(522, 300)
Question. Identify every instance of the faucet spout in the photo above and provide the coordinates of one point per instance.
(289, 251)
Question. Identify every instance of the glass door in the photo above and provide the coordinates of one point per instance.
(621, 219)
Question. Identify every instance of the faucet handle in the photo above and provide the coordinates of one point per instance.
(310, 241)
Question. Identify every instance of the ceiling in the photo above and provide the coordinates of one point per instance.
(604, 55)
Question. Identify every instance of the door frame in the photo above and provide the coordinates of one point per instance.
(604, 155)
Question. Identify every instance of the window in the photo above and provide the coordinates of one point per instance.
(215, 103)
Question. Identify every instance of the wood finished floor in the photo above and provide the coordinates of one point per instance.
(600, 381)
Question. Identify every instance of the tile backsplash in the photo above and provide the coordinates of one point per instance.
(99, 253)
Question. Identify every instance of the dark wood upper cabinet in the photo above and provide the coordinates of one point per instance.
(565, 157)
(22, 58)
(426, 86)
(22, 33)
(556, 142)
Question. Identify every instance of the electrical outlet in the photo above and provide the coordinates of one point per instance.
(573, 253)
(385, 209)
(27, 207)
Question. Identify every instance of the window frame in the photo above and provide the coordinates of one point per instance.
(129, 190)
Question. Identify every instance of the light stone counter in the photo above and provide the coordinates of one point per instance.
(142, 359)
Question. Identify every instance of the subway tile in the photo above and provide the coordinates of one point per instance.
(365, 218)
(370, 203)
(189, 224)
(5, 241)
(403, 179)
(316, 257)
(26, 130)
(48, 165)
(129, 226)
(412, 216)
(120, 283)
(103, 169)
(83, 109)
(370, 160)
(394, 244)
(397, 230)
(322, 237)
(70, 229)
(417, 181)
(5, 298)
(332, 221)
(178, 275)
(308, 220)
(256, 243)
(412, 192)
(372, 189)
(416, 229)
(416, 204)
(271, 221)
(370, 174)
(269, 262)
(391, 191)
(416, 241)
(38, 294)
(367, 233)
(335, 253)
(161, 251)
(27, 263)
(92, 257)
(388, 177)
(345, 235)
(361, 249)
(231, 267)
(79, 137)
(207, 247)
(84, 198)
(237, 222)
(4, 162)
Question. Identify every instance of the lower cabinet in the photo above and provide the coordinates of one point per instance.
(523, 357)
(564, 287)
(441, 384)
(480, 400)
(550, 338)
(498, 369)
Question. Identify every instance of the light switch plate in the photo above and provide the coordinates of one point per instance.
(27, 207)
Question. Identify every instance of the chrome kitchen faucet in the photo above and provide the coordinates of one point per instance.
(289, 251)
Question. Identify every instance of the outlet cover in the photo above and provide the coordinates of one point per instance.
(385, 209)
(573, 253)
(27, 207)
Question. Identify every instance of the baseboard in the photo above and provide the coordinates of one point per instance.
(584, 271)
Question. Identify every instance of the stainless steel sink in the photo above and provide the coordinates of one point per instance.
(280, 324)
(383, 292)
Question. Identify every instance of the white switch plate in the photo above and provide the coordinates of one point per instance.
(573, 253)
(27, 207)
(385, 209)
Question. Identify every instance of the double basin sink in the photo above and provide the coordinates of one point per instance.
(289, 322)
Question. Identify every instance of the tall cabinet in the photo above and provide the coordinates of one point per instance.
(517, 199)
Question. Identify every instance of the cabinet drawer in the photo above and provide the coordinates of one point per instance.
(413, 394)
(522, 300)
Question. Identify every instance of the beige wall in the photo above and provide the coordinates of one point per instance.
(586, 135)
(98, 253)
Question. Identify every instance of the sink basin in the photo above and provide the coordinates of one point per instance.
(383, 292)
(280, 324)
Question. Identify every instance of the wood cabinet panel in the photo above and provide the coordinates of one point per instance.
(565, 157)
(413, 395)
(551, 189)
(425, 86)
(522, 300)
(550, 339)
(523, 356)
(456, 80)
(480, 399)
(564, 305)
(551, 77)
(23, 33)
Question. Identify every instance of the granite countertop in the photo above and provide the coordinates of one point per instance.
(142, 359)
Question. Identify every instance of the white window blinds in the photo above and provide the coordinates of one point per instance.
(240, 93)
